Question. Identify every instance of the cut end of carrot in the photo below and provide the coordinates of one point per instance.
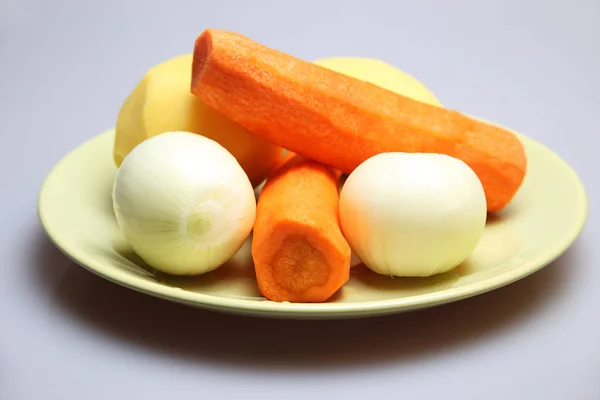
(202, 50)
(298, 266)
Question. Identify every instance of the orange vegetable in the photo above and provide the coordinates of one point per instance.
(299, 252)
(342, 121)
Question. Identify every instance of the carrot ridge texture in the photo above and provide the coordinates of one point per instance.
(299, 251)
(342, 121)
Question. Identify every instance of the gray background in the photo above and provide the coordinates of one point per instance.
(66, 67)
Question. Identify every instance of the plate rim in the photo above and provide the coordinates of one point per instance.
(327, 310)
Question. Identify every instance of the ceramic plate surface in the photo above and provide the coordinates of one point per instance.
(542, 221)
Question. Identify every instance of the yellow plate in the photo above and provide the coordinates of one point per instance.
(543, 220)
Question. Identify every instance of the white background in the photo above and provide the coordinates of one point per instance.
(66, 67)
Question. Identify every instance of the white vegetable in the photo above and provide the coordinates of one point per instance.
(183, 202)
(412, 214)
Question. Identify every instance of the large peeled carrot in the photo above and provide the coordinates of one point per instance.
(299, 252)
(341, 121)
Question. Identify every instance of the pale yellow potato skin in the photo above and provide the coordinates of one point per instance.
(381, 74)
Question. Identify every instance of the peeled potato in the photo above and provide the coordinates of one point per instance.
(381, 74)
(162, 102)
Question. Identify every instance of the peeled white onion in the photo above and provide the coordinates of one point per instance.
(183, 202)
(412, 214)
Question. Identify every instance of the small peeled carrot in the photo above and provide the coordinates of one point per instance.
(342, 121)
(299, 252)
